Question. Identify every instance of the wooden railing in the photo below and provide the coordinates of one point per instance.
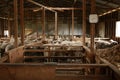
(54, 53)
(55, 71)
(115, 72)
(52, 71)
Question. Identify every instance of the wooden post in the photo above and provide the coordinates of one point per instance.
(72, 24)
(37, 29)
(92, 26)
(43, 23)
(56, 28)
(2, 28)
(8, 26)
(22, 21)
(69, 24)
(84, 22)
(4, 21)
(16, 22)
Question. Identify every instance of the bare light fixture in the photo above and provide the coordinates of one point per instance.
(117, 29)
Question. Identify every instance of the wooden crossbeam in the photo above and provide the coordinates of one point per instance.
(55, 8)
(38, 4)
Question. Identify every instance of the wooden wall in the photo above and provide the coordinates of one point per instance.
(110, 25)
(33, 20)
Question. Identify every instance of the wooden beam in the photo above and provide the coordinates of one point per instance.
(84, 21)
(56, 26)
(38, 4)
(110, 11)
(62, 8)
(16, 22)
(22, 21)
(54, 8)
(43, 23)
(72, 24)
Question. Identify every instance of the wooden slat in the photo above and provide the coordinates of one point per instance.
(58, 65)
(33, 50)
(58, 57)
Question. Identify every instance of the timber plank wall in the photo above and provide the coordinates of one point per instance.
(110, 24)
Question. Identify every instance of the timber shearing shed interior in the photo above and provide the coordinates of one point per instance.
(59, 40)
